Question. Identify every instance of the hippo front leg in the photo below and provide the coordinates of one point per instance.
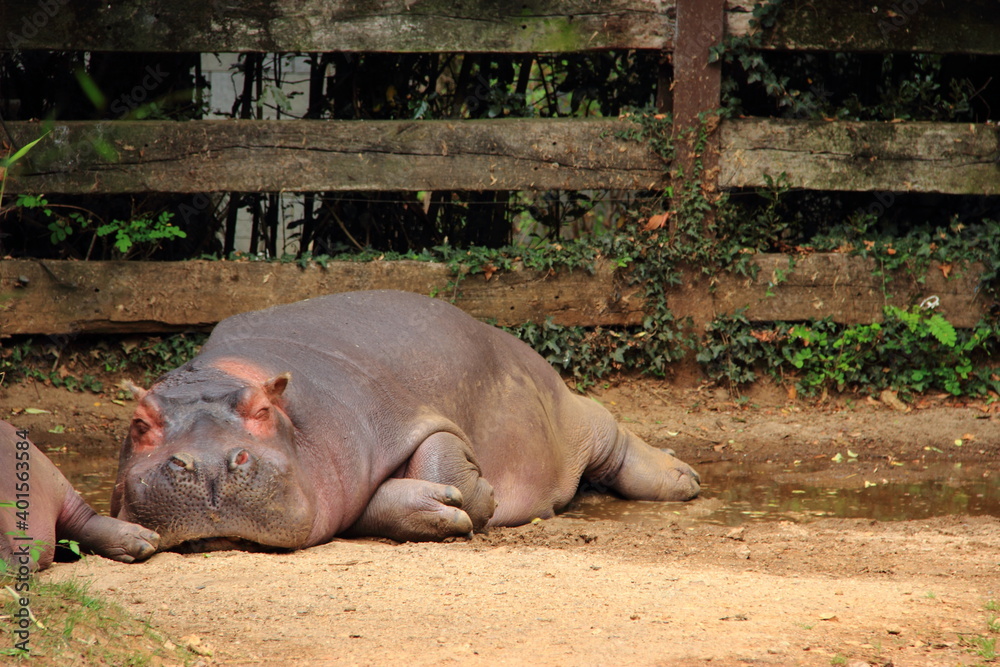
(118, 540)
(414, 510)
(439, 493)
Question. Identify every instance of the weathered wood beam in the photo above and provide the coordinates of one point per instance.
(535, 26)
(310, 156)
(847, 288)
(530, 26)
(956, 158)
(270, 156)
(969, 26)
(65, 297)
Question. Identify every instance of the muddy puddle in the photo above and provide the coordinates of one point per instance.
(733, 493)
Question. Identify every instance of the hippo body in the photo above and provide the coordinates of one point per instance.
(368, 413)
(54, 511)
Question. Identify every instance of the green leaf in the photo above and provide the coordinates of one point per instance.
(90, 89)
(942, 329)
(104, 149)
(21, 152)
(122, 241)
(72, 545)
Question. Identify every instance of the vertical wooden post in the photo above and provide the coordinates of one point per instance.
(697, 84)
(696, 89)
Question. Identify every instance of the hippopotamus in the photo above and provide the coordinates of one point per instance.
(378, 413)
(46, 509)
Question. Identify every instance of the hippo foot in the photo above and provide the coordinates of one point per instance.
(411, 510)
(640, 472)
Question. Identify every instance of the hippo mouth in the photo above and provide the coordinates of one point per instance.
(207, 544)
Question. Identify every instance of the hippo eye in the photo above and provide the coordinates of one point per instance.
(140, 427)
(262, 414)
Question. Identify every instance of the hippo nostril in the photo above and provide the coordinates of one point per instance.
(182, 461)
(238, 458)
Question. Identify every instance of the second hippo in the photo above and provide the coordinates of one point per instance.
(41, 508)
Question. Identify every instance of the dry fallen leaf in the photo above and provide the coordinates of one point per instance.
(945, 269)
(656, 222)
(489, 270)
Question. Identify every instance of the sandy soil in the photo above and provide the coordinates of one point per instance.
(664, 589)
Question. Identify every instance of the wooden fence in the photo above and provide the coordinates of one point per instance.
(46, 296)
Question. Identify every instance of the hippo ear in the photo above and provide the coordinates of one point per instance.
(275, 387)
(138, 393)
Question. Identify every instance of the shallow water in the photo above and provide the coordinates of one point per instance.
(732, 493)
(91, 473)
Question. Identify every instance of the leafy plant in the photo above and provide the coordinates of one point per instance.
(142, 234)
(9, 161)
(74, 365)
(905, 86)
(912, 350)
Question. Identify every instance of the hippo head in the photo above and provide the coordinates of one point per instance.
(211, 464)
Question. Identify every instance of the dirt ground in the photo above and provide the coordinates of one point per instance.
(665, 589)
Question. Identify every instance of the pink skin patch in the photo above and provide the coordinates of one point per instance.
(258, 409)
(242, 369)
(146, 430)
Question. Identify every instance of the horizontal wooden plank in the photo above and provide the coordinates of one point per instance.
(968, 26)
(533, 26)
(522, 154)
(307, 155)
(845, 287)
(957, 158)
(530, 26)
(65, 297)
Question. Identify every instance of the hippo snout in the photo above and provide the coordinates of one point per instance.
(237, 460)
(196, 494)
(182, 461)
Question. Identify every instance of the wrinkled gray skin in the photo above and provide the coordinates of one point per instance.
(56, 512)
(368, 413)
